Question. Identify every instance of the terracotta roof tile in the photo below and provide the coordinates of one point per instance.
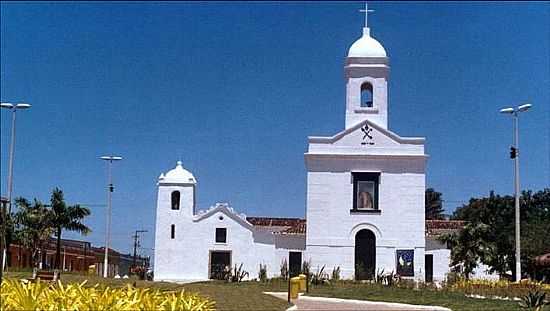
(280, 225)
(439, 227)
(274, 221)
(298, 229)
(297, 226)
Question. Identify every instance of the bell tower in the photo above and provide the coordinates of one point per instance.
(366, 74)
(175, 211)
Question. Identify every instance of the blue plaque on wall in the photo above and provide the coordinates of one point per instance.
(405, 262)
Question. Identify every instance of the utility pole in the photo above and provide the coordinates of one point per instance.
(136, 244)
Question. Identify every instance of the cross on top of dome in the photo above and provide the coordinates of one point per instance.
(367, 11)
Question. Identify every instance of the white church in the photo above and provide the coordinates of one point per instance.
(364, 210)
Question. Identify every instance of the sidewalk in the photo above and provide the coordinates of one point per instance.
(323, 303)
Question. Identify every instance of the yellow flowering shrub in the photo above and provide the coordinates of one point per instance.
(18, 295)
(501, 288)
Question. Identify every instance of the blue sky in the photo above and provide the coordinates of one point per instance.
(234, 89)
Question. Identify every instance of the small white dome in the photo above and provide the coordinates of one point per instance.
(366, 46)
(178, 175)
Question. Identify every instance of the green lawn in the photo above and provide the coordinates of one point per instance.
(373, 292)
(249, 295)
(228, 296)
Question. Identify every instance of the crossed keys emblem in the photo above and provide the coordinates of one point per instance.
(367, 131)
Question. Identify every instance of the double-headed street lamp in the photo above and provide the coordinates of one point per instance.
(110, 190)
(514, 154)
(13, 108)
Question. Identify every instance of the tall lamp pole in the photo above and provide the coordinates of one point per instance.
(110, 189)
(13, 108)
(514, 154)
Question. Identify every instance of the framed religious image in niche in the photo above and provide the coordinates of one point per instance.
(365, 192)
(405, 262)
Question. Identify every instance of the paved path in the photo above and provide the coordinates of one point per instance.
(328, 304)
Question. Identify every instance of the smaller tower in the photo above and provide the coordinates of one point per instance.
(175, 210)
(176, 192)
(366, 74)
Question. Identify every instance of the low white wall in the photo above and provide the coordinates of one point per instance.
(441, 261)
(481, 272)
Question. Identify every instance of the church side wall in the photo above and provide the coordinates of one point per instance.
(188, 257)
(240, 242)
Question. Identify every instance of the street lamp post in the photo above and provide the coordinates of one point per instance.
(110, 189)
(514, 154)
(13, 108)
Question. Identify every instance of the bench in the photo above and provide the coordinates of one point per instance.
(45, 275)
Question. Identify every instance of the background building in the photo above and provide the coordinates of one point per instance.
(76, 256)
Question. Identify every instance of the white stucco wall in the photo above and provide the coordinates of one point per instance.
(374, 71)
(187, 256)
(166, 248)
(481, 272)
(330, 162)
(441, 261)
(400, 224)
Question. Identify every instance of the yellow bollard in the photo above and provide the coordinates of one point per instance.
(302, 282)
(294, 287)
(91, 269)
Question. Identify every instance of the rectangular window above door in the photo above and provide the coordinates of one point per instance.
(365, 192)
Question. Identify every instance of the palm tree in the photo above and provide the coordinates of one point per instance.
(32, 226)
(66, 217)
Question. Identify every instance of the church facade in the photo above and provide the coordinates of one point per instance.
(364, 209)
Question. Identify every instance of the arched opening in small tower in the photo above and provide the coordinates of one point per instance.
(366, 95)
(175, 200)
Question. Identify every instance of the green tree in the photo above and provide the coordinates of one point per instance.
(6, 237)
(9, 233)
(32, 226)
(433, 204)
(468, 247)
(498, 213)
(66, 217)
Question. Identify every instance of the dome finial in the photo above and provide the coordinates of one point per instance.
(366, 30)
(178, 175)
(366, 46)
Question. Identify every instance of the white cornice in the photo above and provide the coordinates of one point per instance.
(310, 155)
(228, 211)
(392, 135)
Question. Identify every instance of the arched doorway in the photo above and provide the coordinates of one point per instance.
(365, 255)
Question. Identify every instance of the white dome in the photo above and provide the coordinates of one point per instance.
(366, 46)
(178, 175)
